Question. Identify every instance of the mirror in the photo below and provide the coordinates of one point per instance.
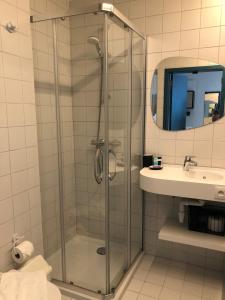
(187, 93)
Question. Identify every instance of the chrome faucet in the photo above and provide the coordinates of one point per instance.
(189, 162)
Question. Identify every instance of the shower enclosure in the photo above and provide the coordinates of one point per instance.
(89, 85)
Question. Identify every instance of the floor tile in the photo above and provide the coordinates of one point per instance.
(155, 278)
(135, 285)
(168, 294)
(143, 297)
(174, 283)
(151, 290)
(140, 274)
(176, 271)
(192, 288)
(212, 293)
(189, 297)
(128, 295)
(162, 279)
(146, 262)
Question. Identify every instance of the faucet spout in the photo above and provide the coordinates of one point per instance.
(189, 162)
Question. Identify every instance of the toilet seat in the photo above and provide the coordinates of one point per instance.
(53, 292)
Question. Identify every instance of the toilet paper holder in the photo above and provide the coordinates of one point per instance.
(17, 239)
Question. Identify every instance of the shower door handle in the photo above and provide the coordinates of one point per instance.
(98, 165)
(112, 175)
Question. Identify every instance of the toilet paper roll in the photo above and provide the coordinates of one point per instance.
(22, 252)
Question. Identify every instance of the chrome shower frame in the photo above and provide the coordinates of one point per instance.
(109, 11)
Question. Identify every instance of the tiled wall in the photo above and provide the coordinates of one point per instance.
(42, 36)
(20, 206)
(182, 28)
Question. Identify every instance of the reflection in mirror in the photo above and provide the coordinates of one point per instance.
(187, 93)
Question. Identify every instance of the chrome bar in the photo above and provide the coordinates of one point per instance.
(110, 8)
(59, 148)
(41, 18)
(114, 143)
(106, 179)
(143, 109)
(103, 7)
(129, 128)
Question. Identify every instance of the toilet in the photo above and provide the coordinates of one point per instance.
(38, 263)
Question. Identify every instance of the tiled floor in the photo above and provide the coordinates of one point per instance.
(162, 279)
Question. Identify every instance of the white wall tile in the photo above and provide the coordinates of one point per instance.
(154, 25)
(189, 39)
(154, 7)
(171, 41)
(6, 232)
(171, 22)
(4, 145)
(6, 210)
(210, 16)
(190, 19)
(209, 37)
(16, 94)
(207, 3)
(5, 187)
(191, 4)
(11, 65)
(4, 163)
(18, 160)
(172, 5)
(203, 149)
(20, 203)
(3, 115)
(16, 137)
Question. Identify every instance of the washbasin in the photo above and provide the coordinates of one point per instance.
(197, 183)
(203, 175)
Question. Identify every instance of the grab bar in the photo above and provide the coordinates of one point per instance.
(113, 175)
(98, 165)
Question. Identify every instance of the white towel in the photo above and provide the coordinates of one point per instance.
(16, 285)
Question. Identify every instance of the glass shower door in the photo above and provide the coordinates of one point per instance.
(118, 146)
(137, 112)
(80, 63)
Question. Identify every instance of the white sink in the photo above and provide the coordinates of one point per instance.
(198, 182)
(204, 175)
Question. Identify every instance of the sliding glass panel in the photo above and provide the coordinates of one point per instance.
(119, 103)
(137, 107)
(44, 74)
(84, 203)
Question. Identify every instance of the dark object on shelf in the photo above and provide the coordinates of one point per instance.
(156, 167)
(147, 160)
(207, 219)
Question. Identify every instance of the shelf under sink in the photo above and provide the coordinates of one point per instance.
(175, 232)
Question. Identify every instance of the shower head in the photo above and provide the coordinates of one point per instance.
(95, 41)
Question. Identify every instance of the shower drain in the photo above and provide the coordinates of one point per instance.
(101, 251)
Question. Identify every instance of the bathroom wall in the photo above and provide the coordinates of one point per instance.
(178, 28)
(20, 206)
(42, 38)
(181, 28)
